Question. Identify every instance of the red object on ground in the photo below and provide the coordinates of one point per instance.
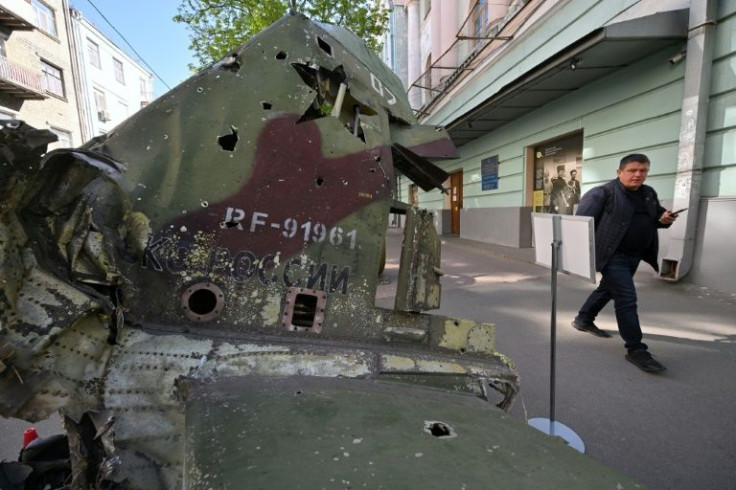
(29, 436)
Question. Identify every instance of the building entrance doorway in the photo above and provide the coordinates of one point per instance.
(456, 201)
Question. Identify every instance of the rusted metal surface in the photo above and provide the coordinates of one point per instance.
(419, 288)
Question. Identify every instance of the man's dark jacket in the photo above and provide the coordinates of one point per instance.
(612, 207)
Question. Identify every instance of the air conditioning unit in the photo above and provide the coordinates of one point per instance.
(103, 115)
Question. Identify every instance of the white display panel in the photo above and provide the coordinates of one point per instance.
(577, 245)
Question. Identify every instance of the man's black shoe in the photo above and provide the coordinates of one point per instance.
(644, 361)
(590, 328)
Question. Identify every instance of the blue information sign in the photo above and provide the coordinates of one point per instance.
(489, 173)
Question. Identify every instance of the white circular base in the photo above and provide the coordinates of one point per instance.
(560, 430)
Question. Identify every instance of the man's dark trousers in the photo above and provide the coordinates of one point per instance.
(617, 284)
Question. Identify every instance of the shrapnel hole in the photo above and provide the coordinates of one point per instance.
(228, 141)
(438, 429)
(324, 46)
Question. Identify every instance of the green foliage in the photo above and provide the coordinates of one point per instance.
(218, 26)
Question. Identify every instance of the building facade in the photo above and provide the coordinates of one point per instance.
(36, 68)
(543, 97)
(112, 85)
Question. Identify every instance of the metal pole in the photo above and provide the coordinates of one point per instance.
(553, 321)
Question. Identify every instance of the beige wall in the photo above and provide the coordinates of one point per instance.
(28, 48)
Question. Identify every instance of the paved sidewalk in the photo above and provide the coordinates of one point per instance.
(672, 431)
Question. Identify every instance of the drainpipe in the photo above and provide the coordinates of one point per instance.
(72, 30)
(701, 31)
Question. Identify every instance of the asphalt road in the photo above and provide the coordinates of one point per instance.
(673, 431)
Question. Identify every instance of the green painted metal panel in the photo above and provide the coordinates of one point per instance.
(301, 433)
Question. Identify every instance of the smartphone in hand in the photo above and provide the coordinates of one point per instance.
(678, 211)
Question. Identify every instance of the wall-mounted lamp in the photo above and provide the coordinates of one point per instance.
(678, 57)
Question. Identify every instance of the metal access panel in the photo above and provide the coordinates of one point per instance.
(304, 310)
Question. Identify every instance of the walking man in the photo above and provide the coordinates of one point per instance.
(627, 215)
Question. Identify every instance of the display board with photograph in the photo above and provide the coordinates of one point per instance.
(558, 167)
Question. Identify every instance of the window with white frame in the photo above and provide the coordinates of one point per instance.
(118, 68)
(145, 93)
(45, 17)
(93, 50)
(101, 105)
(53, 79)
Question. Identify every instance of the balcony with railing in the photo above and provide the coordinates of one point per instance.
(14, 21)
(19, 81)
(482, 33)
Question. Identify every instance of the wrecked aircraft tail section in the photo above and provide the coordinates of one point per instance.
(232, 230)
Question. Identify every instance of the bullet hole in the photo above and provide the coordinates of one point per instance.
(324, 46)
(229, 225)
(280, 55)
(228, 141)
(320, 181)
(266, 105)
(438, 429)
(298, 392)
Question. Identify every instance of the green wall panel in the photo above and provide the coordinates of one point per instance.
(638, 137)
(723, 75)
(722, 111)
(725, 41)
(661, 100)
(502, 200)
(719, 181)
